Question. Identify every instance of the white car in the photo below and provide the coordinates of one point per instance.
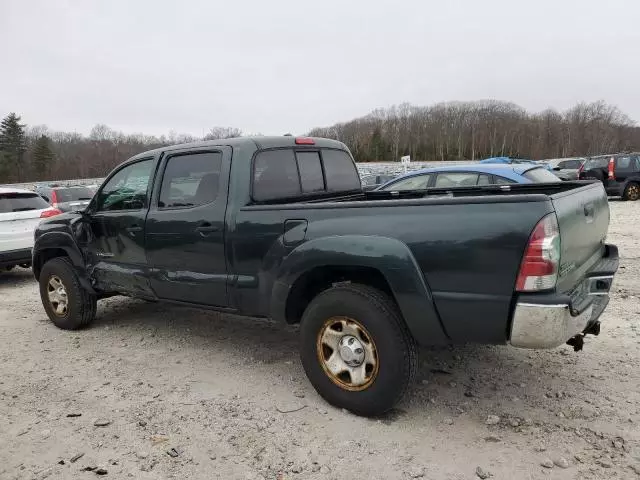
(20, 213)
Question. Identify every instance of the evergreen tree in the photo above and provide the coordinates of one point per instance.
(42, 157)
(12, 147)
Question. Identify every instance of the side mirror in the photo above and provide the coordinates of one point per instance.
(557, 169)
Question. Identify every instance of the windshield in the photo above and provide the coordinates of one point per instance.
(21, 202)
(73, 194)
(540, 175)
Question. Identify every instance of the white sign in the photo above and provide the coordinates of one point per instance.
(406, 159)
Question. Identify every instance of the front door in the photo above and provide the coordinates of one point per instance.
(185, 227)
(116, 216)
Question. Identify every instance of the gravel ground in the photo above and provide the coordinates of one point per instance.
(151, 391)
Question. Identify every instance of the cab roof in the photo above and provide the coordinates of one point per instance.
(256, 142)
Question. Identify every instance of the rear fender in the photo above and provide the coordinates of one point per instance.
(391, 257)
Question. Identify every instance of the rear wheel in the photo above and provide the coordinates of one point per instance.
(356, 349)
(68, 305)
(632, 192)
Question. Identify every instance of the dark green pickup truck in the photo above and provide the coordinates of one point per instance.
(281, 228)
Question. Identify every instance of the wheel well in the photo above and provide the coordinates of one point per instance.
(315, 281)
(44, 256)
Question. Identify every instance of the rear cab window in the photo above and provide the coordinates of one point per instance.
(287, 173)
(21, 202)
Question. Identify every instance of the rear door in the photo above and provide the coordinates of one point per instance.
(583, 219)
(185, 227)
(19, 216)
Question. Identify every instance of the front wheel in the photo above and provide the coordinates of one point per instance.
(68, 305)
(356, 349)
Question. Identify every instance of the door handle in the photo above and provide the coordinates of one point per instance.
(206, 228)
(133, 229)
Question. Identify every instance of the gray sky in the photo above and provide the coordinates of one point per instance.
(278, 66)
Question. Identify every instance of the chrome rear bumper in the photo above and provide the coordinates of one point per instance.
(546, 326)
(539, 325)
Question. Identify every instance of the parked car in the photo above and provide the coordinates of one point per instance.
(373, 181)
(620, 174)
(566, 168)
(20, 213)
(66, 199)
(513, 161)
(280, 227)
(471, 175)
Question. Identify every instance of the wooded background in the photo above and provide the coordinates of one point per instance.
(446, 131)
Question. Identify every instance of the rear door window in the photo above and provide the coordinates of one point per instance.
(21, 202)
(190, 180)
(484, 179)
(628, 163)
(503, 180)
(456, 179)
(340, 171)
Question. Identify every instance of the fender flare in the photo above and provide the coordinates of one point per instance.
(391, 257)
(61, 241)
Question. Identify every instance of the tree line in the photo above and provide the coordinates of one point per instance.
(36, 153)
(445, 131)
(477, 130)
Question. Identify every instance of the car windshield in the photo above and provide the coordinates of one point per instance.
(21, 202)
(73, 194)
(540, 175)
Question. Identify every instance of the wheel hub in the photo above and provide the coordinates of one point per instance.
(351, 351)
(57, 294)
(347, 353)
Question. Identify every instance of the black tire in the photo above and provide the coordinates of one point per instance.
(631, 192)
(81, 304)
(396, 350)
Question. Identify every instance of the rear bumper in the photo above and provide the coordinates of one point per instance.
(548, 321)
(15, 257)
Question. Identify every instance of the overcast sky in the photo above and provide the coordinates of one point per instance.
(286, 66)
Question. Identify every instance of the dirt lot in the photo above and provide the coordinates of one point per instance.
(151, 391)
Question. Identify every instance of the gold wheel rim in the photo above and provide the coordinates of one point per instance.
(347, 353)
(634, 192)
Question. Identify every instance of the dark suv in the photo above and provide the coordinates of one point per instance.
(619, 173)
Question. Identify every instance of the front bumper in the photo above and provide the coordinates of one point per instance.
(549, 324)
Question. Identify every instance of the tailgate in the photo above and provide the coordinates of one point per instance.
(583, 218)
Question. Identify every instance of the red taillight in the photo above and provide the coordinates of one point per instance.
(581, 169)
(612, 169)
(50, 212)
(539, 268)
(305, 141)
(54, 198)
